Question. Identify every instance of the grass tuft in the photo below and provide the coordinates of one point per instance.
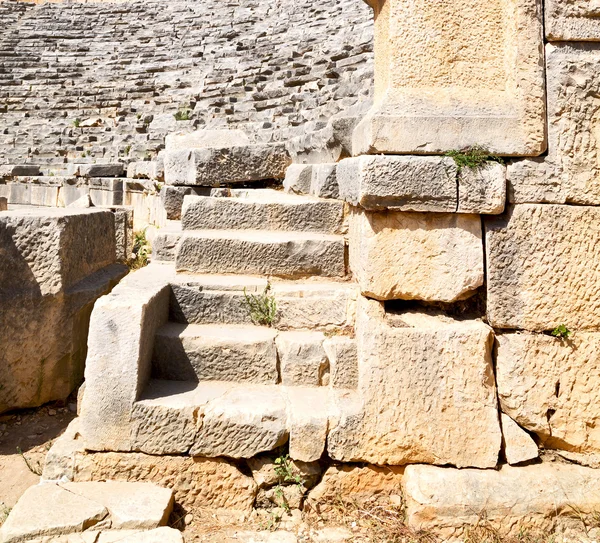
(473, 158)
(262, 308)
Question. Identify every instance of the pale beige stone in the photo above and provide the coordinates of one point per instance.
(551, 387)
(48, 510)
(512, 500)
(450, 75)
(360, 484)
(343, 361)
(572, 20)
(426, 393)
(542, 268)
(302, 358)
(203, 139)
(482, 190)
(308, 422)
(518, 445)
(416, 256)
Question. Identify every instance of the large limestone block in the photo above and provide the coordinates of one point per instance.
(214, 166)
(512, 500)
(203, 139)
(289, 254)
(50, 510)
(302, 358)
(574, 20)
(456, 74)
(399, 183)
(517, 443)
(550, 386)
(269, 210)
(14, 170)
(343, 361)
(482, 190)
(416, 256)
(426, 393)
(95, 170)
(540, 271)
(308, 422)
(569, 174)
(215, 353)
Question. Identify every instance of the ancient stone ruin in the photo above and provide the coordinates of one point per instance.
(375, 269)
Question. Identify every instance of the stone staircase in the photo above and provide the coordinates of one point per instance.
(225, 377)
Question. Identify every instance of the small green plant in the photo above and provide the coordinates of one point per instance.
(127, 149)
(284, 469)
(141, 250)
(183, 115)
(561, 331)
(76, 123)
(472, 157)
(272, 523)
(35, 469)
(261, 307)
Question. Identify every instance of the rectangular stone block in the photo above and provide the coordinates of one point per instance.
(13, 170)
(324, 182)
(541, 267)
(172, 197)
(551, 386)
(95, 170)
(343, 361)
(482, 190)
(426, 392)
(298, 178)
(416, 256)
(572, 20)
(451, 75)
(3, 204)
(302, 358)
(203, 139)
(215, 166)
(569, 174)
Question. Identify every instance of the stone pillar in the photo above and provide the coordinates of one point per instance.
(451, 74)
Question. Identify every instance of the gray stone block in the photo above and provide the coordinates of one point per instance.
(324, 181)
(96, 170)
(298, 178)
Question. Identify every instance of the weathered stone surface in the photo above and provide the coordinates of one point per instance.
(163, 534)
(549, 386)
(263, 210)
(118, 364)
(343, 361)
(264, 472)
(203, 139)
(290, 254)
(298, 178)
(209, 167)
(84, 202)
(49, 510)
(434, 257)
(513, 499)
(572, 21)
(215, 353)
(14, 170)
(166, 242)
(403, 183)
(479, 82)
(302, 358)
(95, 170)
(539, 273)
(208, 483)
(426, 393)
(308, 422)
(172, 198)
(360, 484)
(517, 443)
(570, 171)
(153, 169)
(482, 190)
(324, 182)
(3, 204)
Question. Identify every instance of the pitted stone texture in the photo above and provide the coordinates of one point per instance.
(172, 197)
(517, 443)
(402, 183)
(479, 82)
(50, 510)
(166, 242)
(308, 422)
(570, 171)
(324, 182)
(550, 387)
(215, 353)
(450, 501)
(215, 166)
(206, 139)
(95, 170)
(298, 178)
(426, 393)
(343, 361)
(302, 358)
(575, 20)
(416, 256)
(357, 484)
(290, 254)
(482, 190)
(540, 271)
(147, 170)
(265, 210)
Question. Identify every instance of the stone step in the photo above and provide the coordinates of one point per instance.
(216, 418)
(306, 304)
(211, 352)
(287, 254)
(263, 210)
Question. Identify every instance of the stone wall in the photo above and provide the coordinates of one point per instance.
(85, 82)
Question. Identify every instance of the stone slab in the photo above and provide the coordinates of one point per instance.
(302, 358)
(289, 254)
(14, 170)
(539, 271)
(343, 361)
(95, 170)
(298, 178)
(549, 386)
(205, 139)
(324, 182)
(215, 166)
(416, 256)
(572, 20)
(512, 500)
(171, 198)
(517, 444)
(482, 190)
(426, 393)
(308, 422)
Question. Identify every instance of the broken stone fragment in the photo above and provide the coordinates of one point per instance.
(298, 178)
(324, 182)
(302, 358)
(518, 445)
